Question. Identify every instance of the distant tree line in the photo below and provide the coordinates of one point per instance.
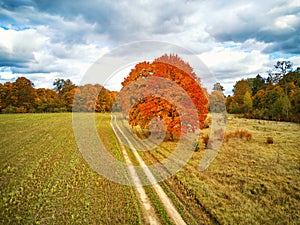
(21, 97)
(274, 98)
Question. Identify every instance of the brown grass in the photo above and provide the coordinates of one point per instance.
(249, 182)
(242, 134)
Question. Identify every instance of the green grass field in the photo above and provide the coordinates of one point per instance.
(45, 180)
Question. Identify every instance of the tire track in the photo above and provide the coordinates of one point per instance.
(154, 159)
(149, 212)
(213, 219)
(167, 203)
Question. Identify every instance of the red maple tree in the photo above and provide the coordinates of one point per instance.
(167, 89)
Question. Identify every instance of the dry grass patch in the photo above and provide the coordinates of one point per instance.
(250, 181)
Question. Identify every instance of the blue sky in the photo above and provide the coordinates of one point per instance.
(44, 40)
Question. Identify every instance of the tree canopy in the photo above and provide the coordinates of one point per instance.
(278, 100)
(21, 97)
(166, 82)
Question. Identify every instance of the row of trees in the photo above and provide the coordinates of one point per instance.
(274, 98)
(21, 97)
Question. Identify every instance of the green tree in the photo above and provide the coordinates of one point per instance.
(295, 104)
(247, 102)
(281, 107)
(66, 91)
(228, 103)
(272, 94)
(290, 81)
(259, 99)
(256, 84)
(240, 89)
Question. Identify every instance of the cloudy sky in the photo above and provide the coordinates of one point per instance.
(43, 40)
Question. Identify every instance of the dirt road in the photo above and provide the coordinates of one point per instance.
(165, 200)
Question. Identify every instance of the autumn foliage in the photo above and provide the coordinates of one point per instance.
(167, 89)
(21, 97)
(267, 99)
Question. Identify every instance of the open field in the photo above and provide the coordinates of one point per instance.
(249, 182)
(45, 180)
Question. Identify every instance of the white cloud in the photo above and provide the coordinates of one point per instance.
(32, 54)
(284, 7)
(6, 74)
(286, 22)
(20, 45)
(231, 64)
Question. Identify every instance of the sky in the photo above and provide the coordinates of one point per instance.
(44, 40)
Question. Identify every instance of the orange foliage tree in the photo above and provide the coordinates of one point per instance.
(93, 97)
(21, 97)
(164, 100)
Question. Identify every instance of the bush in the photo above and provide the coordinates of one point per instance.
(21, 109)
(239, 134)
(9, 109)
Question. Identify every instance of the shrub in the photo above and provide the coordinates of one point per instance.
(21, 109)
(239, 134)
(9, 109)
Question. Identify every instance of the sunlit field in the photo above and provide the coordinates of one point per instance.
(45, 180)
(249, 182)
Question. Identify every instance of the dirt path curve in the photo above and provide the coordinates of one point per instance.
(168, 205)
